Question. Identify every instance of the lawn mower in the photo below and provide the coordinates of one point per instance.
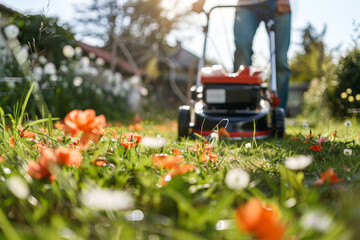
(241, 104)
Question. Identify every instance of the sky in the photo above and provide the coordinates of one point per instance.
(338, 16)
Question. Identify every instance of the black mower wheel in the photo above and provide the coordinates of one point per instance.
(183, 121)
(279, 122)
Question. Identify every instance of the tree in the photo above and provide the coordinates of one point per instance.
(134, 21)
(312, 60)
(44, 36)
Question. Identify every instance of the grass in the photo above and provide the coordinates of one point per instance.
(124, 199)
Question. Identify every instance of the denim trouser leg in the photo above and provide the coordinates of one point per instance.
(282, 42)
(246, 23)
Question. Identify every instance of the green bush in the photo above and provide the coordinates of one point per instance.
(344, 89)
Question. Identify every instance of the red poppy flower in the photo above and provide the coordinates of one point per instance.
(262, 221)
(316, 148)
(328, 176)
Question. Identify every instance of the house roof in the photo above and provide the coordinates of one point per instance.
(6, 9)
(182, 57)
(106, 55)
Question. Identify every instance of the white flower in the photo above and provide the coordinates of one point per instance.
(134, 80)
(68, 51)
(42, 60)
(117, 78)
(11, 31)
(92, 55)
(136, 215)
(237, 179)
(18, 187)
(348, 124)
(77, 81)
(85, 61)
(298, 163)
(53, 78)
(106, 199)
(22, 55)
(144, 92)
(347, 152)
(214, 136)
(78, 51)
(305, 126)
(153, 142)
(49, 68)
(94, 72)
(64, 68)
(248, 145)
(38, 73)
(99, 62)
(224, 224)
(316, 220)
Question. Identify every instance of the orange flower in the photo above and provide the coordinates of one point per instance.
(103, 131)
(316, 148)
(25, 133)
(262, 221)
(2, 159)
(328, 176)
(176, 151)
(294, 138)
(36, 171)
(12, 141)
(69, 157)
(213, 157)
(308, 137)
(99, 162)
(39, 146)
(84, 121)
(333, 135)
(60, 126)
(177, 170)
(40, 169)
(176, 164)
(45, 131)
(47, 158)
(128, 144)
(224, 132)
(131, 137)
(136, 127)
(168, 161)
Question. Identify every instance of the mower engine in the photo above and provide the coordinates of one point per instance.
(242, 90)
(238, 102)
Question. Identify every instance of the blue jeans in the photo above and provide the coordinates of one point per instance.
(247, 20)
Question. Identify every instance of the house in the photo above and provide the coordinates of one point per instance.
(120, 64)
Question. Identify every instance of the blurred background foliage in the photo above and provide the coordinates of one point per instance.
(136, 31)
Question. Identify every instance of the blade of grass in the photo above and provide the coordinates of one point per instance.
(50, 126)
(41, 121)
(7, 228)
(24, 104)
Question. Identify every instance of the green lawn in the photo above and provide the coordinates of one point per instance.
(133, 195)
